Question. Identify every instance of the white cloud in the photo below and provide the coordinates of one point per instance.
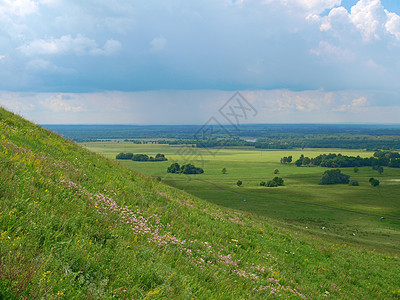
(80, 45)
(158, 44)
(393, 24)
(326, 49)
(369, 17)
(20, 8)
(2, 57)
(357, 104)
(58, 103)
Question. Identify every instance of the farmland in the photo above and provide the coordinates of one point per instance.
(350, 214)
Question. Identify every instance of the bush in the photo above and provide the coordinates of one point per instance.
(263, 183)
(279, 181)
(374, 182)
(124, 155)
(276, 171)
(174, 168)
(334, 177)
(239, 183)
(185, 169)
(271, 183)
(354, 182)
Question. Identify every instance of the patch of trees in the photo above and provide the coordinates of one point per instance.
(124, 155)
(286, 159)
(275, 182)
(334, 177)
(332, 160)
(141, 157)
(184, 169)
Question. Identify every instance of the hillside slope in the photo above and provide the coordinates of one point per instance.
(76, 225)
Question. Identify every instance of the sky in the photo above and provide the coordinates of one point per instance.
(181, 61)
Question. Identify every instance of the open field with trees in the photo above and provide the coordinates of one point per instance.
(349, 213)
(74, 224)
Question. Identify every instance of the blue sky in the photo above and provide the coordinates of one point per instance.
(179, 61)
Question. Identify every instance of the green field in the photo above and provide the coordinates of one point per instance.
(350, 214)
(75, 225)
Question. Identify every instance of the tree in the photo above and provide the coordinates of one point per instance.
(223, 171)
(191, 169)
(239, 183)
(374, 182)
(124, 155)
(271, 183)
(355, 169)
(299, 162)
(174, 168)
(334, 177)
(279, 181)
(276, 171)
(354, 182)
(262, 183)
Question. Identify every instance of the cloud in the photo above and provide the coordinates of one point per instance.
(393, 24)
(59, 103)
(19, 8)
(368, 18)
(80, 45)
(158, 44)
(2, 57)
(357, 104)
(326, 49)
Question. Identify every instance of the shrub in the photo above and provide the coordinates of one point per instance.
(271, 183)
(279, 181)
(124, 155)
(334, 177)
(354, 182)
(276, 171)
(239, 183)
(374, 182)
(263, 183)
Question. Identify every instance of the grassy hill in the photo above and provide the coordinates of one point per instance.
(74, 224)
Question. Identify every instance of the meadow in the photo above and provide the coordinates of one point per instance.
(76, 225)
(350, 214)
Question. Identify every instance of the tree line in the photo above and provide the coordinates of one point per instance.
(332, 160)
(141, 157)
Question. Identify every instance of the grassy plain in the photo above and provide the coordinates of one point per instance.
(349, 214)
(74, 225)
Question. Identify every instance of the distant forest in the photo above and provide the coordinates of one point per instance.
(262, 136)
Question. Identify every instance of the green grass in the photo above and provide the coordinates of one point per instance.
(75, 225)
(349, 214)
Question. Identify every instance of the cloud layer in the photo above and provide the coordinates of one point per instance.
(290, 46)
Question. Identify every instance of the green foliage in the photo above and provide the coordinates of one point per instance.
(271, 183)
(286, 159)
(374, 182)
(354, 182)
(123, 155)
(184, 169)
(239, 183)
(333, 160)
(224, 171)
(276, 171)
(334, 177)
(174, 168)
(141, 157)
(378, 168)
(355, 169)
(263, 183)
